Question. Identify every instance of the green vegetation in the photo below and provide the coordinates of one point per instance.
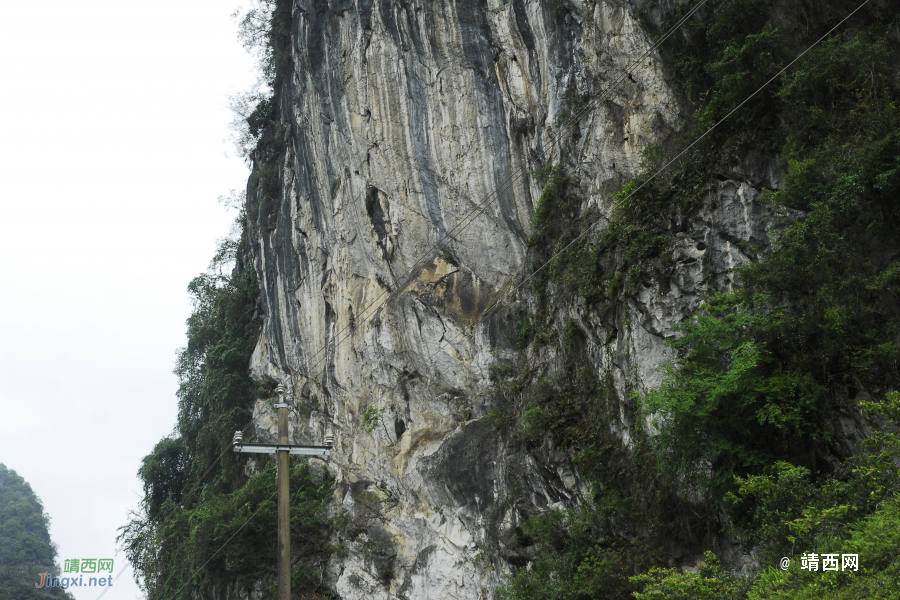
(875, 539)
(785, 510)
(786, 513)
(815, 320)
(227, 540)
(730, 403)
(574, 559)
(710, 582)
(265, 31)
(557, 221)
(747, 443)
(581, 553)
(25, 547)
(194, 501)
(372, 417)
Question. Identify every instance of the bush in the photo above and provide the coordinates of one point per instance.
(874, 539)
(710, 582)
(265, 31)
(756, 375)
(576, 558)
(728, 406)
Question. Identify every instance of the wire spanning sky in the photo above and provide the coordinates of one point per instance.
(113, 118)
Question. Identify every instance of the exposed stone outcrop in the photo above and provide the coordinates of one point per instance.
(408, 123)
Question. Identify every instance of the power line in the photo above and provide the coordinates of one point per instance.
(122, 570)
(694, 143)
(467, 219)
(186, 495)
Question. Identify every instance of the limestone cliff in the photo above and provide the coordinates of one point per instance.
(400, 120)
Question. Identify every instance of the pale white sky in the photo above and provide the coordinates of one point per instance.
(113, 117)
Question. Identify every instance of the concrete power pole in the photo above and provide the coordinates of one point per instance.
(284, 503)
(283, 450)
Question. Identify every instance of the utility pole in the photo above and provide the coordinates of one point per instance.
(283, 450)
(284, 503)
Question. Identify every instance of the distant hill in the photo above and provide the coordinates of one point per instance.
(25, 546)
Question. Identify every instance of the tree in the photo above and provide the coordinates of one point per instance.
(25, 547)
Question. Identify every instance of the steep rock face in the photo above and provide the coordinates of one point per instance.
(401, 174)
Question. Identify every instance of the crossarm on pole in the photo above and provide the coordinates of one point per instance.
(272, 449)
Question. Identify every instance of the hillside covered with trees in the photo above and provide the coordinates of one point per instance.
(25, 547)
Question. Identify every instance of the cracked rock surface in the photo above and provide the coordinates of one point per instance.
(410, 130)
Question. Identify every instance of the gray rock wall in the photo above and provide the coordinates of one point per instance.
(400, 121)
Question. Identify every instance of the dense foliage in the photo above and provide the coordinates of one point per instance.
(25, 547)
(205, 524)
(815, 321)
(747, 412)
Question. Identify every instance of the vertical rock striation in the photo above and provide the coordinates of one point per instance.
(400, 172)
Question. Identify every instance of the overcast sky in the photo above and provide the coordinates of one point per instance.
(113, 115)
